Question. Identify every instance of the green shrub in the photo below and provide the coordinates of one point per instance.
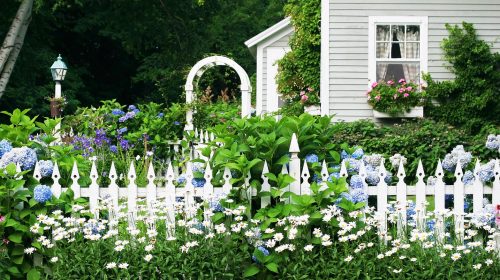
(472, 98)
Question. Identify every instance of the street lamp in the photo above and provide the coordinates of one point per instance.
(58, 70)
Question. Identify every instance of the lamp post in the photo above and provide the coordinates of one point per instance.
(58, 70)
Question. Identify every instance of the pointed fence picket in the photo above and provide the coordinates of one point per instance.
(166, 188)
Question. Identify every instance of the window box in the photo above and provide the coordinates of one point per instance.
(417, 112)
(314, 110)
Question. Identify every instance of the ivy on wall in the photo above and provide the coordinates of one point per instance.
(300, 68)
(472, 99)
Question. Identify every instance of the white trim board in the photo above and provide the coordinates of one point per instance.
(253, 42)
(273, 55)
(325, 58)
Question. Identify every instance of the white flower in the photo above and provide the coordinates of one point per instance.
(123, 265)
(148, 257)
(278, 236)
(29, 250)
(488, 262)
(308, 248)
(270, 243)
(380, 256)
(477, 266)
(111, 265)
(269, 230)
(119, 248)
(442, 255)
(455, 256)
(413, 259)
(348, 259)
(369, 245)
(149, 248)
(54, 259)
(397, 270)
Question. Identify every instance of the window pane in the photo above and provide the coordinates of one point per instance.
(383, 33)
(395, 71)
(398, 33)
(412, 50)
(383, 50)
(412, 33)
(397, 50)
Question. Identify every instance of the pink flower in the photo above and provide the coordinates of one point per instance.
(374, 84)
(302, 93)
(406, 95)
(304, 98)
(390, 82)
(2, 218)
(378, 97)
(401, 90)
(310, 89)
(402, 81)
(409, 88)
(368, 92)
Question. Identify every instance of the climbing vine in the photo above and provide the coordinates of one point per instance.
(299, 70)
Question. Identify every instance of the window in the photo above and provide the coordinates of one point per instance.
(398, 48)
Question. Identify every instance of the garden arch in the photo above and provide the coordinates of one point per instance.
(203, 65)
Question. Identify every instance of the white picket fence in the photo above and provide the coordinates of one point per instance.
(297, 169)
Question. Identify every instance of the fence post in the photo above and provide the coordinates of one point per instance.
(421, 199)
(284, 170)
(226, 188)
(151, 187)
(324, 176)
(305, 187)
(496, 184)
(266, 187)
(36, 172)
(294, 165)
(458, 199)
(170, 201)
(132, 189)
(477, 191)
(208, 188)
(189, 189)
(93, 189)
(113, 188)
(382, 199)
(439, 202)
(74, 177)
(401, 199)
(56, 176)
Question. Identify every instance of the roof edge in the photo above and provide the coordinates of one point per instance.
(268, 32)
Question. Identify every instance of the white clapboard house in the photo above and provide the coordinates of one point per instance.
(369, 40)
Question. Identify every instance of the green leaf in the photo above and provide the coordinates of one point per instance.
(251, 271)
(33, 274)
(272, 267)
(16, 237)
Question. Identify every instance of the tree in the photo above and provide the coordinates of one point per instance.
(13, 42)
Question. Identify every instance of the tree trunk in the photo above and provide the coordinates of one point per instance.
(13, 42)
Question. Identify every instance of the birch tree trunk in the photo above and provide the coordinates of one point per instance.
(13, 42)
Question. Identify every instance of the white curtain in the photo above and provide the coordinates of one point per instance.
(411, 51)
(384, 50)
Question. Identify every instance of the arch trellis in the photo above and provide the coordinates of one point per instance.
(203, 65)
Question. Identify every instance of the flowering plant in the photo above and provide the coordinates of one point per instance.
(394, 98)
(309, 97)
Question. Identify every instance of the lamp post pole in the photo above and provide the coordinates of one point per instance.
(58, 70)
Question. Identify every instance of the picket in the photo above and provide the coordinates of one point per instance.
(401, 198)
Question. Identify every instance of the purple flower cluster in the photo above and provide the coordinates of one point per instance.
(84, 144)
(117, 112)
(100, 138)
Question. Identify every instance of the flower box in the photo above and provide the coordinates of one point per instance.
(314, 110)
(417, 112)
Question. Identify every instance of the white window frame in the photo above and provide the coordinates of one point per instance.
(395, 20)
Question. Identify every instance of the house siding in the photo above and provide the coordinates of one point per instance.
(348, 42)
(280, 43)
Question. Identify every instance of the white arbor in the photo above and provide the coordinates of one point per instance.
(203, 65)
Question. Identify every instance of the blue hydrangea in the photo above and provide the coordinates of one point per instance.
(181, 180)
(198, 167)
(410, 210)
(177, 123)
(356, 182)
(457, 155)
(493, 142)
(344, 154)
(127, 116)
(199, 182)
(372, 177)
(358, 195)
(263, 250)
(335, 175)
(353, 165)
(122, 130)
(46, 168)
(113, 149)
(486, 172)
(358, 154)
(24, 156)
(42, 193)
(160, 115)
(431, 225)
(316, 178)
(373, 160)
(117, 112)
(312, 158)
(215, 205)
(468, 178)
(5, 147)
(132, 108)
